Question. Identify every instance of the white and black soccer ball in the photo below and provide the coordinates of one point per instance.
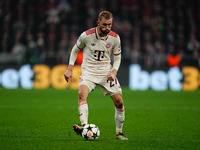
(90, 132)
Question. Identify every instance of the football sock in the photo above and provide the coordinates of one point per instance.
(119, 119)
(83, 113)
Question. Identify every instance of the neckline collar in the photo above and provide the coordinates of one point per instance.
(99, 37)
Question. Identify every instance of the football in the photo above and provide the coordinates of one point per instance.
(90, 132)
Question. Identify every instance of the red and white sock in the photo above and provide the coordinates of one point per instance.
(83, 113)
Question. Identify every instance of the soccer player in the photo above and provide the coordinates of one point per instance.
(98, 44)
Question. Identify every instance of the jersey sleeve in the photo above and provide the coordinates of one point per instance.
(117, 47)
(81, 41)
(117, 54)
(77, 47)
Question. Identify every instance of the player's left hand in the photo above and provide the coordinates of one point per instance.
(111, 77)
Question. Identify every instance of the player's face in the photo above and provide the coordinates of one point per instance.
(105, 25)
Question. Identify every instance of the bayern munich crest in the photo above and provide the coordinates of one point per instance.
(108, 45)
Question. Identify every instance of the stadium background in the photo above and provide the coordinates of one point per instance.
(159, 36)
(155, 34)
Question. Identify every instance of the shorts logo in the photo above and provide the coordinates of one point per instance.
(108, 45)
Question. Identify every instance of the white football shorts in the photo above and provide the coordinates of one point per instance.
(109, 88)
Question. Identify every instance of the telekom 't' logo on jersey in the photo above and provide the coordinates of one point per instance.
(98, 54)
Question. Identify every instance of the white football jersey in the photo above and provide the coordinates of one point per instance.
(97, 51)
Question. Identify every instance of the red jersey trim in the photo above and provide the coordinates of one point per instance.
(96, 33)
(106, 38)
(90, 31)
(111, 33)
(77, 46)
(117, 54)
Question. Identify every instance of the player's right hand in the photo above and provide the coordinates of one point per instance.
(67, 75)
(111, 77)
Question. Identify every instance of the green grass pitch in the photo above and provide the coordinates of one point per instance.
(43, 119)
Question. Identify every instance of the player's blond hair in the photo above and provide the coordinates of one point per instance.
(105, 14)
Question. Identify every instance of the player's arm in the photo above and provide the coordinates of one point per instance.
(117, 61)
(77, 47)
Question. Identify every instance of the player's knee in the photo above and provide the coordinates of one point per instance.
(80, 95)
(119, 103)
(83, 92)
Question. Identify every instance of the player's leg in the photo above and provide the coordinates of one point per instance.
(85, 86)
(113, 88)
(83, 92)
(119, 111)
(119, 115)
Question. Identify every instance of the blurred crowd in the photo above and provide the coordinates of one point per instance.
(154, 33)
